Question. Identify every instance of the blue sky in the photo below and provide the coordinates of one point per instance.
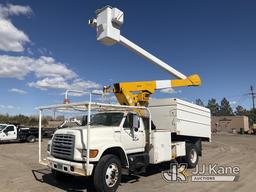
(50, 47)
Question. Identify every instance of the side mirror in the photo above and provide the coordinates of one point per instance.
(84, 120)
(135, 122)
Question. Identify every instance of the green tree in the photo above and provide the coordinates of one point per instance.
(225, 108)
(44, 122)
(252, 116)
(22, 120)
(214, 107)
(33, 121)
(199, 102)
(240, 111)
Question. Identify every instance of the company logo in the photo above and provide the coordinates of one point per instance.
(203, 173)
(176, 173)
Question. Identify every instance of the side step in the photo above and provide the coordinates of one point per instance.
(138, 162)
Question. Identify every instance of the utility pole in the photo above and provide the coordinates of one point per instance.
(253, 94)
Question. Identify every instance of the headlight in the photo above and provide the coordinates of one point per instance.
(93, 153)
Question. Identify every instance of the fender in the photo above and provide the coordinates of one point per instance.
(116, 149)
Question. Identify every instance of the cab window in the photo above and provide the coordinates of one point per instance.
(9, 128)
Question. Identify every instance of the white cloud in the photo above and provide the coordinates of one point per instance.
(19, 67)
(16, 67)
(10, 9)
(30, 52)
(44, 51)
(50, 74)
(61, 83)
(47, 67)
(82, 85)
(46, 83)
(84, 92)
(20, 91)
(170, 91)
(76, 94)
(233, 102)
(11, 38)
(7, 106)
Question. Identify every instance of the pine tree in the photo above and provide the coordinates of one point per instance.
(199, 102)
(240, 111)
(214, 107)
(225, 108)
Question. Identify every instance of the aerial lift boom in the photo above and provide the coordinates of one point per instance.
(108, 24)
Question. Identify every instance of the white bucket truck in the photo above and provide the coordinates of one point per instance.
(126, 138)
(117, 140)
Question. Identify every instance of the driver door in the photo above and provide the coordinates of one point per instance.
(133, 139)
(9, 133)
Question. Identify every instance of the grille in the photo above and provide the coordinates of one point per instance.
(63, 146)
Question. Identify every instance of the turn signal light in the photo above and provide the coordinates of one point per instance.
(93, 153)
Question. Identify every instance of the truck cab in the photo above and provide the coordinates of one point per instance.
(122, 132)
(8, 132)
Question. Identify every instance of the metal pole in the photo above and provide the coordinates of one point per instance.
(150, 128)
(40, 136)
(253, 96)
(88, 135)
(140, 51)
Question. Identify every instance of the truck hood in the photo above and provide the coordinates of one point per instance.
(97, 133)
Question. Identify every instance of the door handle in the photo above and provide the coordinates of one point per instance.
(135, 139)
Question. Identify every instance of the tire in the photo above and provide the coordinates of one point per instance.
(107, 174)
(31, 139)
(192, 155)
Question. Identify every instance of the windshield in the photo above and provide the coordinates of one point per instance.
(107, 119)
(2, 127)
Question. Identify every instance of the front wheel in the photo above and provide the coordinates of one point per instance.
(107, 175)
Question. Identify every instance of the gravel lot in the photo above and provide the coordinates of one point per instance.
(20, 170)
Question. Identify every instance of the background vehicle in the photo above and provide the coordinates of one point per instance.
(11, 133)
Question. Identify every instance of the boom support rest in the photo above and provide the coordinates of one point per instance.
(138, 93)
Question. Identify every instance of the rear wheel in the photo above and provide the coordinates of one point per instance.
(192, 156)
(31, 139)
(107, 175)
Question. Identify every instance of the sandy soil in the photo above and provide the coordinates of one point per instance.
(20, 171)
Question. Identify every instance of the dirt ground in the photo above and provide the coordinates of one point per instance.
(20, 171)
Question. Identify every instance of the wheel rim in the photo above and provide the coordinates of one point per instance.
(193, 156)
(112, 175)
(32, 139)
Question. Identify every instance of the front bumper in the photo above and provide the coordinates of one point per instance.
(69, 167)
